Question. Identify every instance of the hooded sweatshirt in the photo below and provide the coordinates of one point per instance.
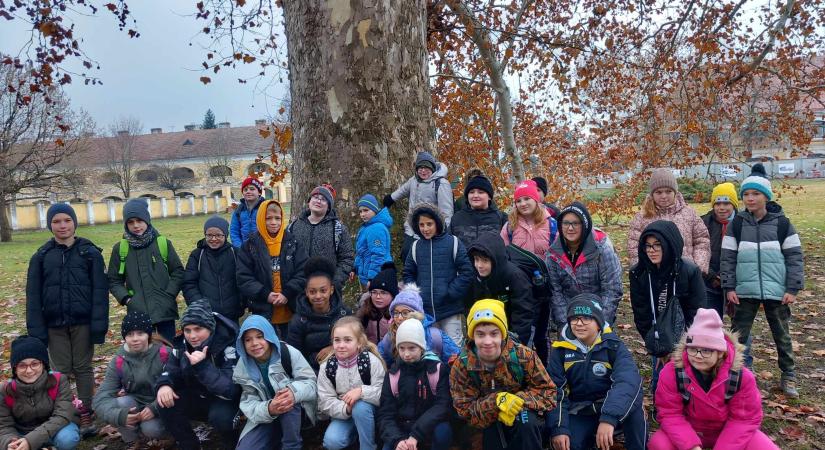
(435, 190)
(255, 391)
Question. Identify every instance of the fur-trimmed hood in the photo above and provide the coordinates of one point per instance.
(734, 360)
(431, 210)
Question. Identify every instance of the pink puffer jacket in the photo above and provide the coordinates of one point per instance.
(693, 230)
(531, 237)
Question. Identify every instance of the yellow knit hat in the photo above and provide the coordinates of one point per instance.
(487, 311)
(725, 192)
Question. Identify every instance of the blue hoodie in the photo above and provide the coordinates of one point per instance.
(372, 246)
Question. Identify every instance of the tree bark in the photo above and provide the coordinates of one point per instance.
(5, 221)
(360, 96)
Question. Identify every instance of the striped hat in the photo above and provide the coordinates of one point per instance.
(758, 180)
(199, 313)
(369, 201)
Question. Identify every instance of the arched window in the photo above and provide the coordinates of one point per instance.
(217, 193)
(185, 194)
(257, 168)
(110, 177)
(146, 175)
(183, 173)
(113, 198)
(153, 196)
(220, 171)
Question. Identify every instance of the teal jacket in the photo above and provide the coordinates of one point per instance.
(755, 263)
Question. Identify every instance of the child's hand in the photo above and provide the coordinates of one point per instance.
(20, 444)
(412, 443)
(196, 356)
(732, 297)
(561, 442)
(788, 298)
(402, 445)
(604, 436)
(351, 397)
(166, 397)
(132, 418)
(283, 401)
(146, 414)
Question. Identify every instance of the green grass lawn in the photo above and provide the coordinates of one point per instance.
(785, 420)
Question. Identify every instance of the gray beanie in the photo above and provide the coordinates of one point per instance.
(217, 222)
(60, 208)
(199, 313)
(136, 208)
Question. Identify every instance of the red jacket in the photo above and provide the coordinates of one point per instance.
(706, 420)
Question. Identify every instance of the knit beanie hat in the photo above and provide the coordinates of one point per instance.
(411, 331)
(25, 347)
(724, 192)
(136, 208)
(199, 313)
(410, 297)
(254, 182)
(479, 182)
(217, 222)
(369, 201)
(386, 279)
(586, 305)
(327, 191)
(527, 188)
(60, 208)
(757, 180)
(541, 183)
(663, 178)
(487, 311)
(136, 321)
(707, 331)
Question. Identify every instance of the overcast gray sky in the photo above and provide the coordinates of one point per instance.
(155, 77)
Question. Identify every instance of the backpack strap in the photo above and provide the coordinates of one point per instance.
(119, 369)
(331, 369)
(437, 185)
(286, 360)
(163, 247)
(9, 400)
(123, 252)
(365, 367)
(337, 232)
(455, 247)
(432, 378)
(53, 391)
(436, 341)
(200, 257)
(737, 227)
(682, 381)
(164, 354)
(394, 376)
(782, 229)
(733, 384)
(412, 250)
(554, 229)
(515, 366)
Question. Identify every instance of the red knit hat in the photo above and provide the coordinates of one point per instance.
(254, 182)
(527, 188)
(707, 331)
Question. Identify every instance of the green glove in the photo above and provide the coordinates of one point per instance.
(509, 403)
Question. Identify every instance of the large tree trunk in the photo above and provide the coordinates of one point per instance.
(360, 95)
(5, 221)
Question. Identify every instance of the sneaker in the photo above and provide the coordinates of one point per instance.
(87, 422)
(788, 386)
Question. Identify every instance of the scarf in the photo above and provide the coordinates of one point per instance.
(280, 313)
(349, 362)
(142, 241)
(725, 223)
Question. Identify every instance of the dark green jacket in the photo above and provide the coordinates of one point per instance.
(35, 415)
(154, 286)
(137, 379)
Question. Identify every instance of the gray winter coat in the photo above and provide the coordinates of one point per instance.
(435, 190)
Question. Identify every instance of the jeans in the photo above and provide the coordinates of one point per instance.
(524, 434)
(218, 412)
(152, 429)
(583, 430)
(778, 316)
(716, 300)
(71, 352)
(166, 329)
(454, 327)
(656, 367)
(442, 437)
(342, 433)
(283, 433)
(67, 438)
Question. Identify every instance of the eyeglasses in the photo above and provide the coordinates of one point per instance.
(379, 293)
(582, 320)
(37, 365)
(703, 352)
(574, 225)
(405, 314)
(653, 247)
(213, 237)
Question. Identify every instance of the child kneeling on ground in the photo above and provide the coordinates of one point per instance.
(498, 385)
(349, 387)
(706, 397)
(277, 384)
(36, 410)
(600, 389)
(132, 372)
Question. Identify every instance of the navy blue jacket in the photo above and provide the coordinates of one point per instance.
(67, 286)
(213, 375)
(606, 373)
(210, 274)
(442, 276)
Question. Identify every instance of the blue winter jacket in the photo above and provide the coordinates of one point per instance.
(602, 381)
(447, 350)
(243, 224)
(372, 246)
(439, 266)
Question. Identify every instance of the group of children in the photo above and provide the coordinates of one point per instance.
(511, 333)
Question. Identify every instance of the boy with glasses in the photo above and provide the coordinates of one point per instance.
(210, 271)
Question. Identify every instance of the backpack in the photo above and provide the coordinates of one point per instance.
(437, 186)
(286, 359)
(123, 250)
(436, 341)
(415, 244)
(781, 228)
(432, 380)
(513, 366)
(668, 327)
(363, 363)
(731, 386)
(119, 360)
(534, 267)
(52, 390)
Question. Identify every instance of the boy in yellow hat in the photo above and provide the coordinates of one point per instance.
(499, 385)
(724, 204)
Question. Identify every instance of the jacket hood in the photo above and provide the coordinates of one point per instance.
(491, 246)
(569, 340)
(734, 360)
(579, 210)
(774, 211)
(256, 322)
(260, 222)
(383, 217)
(672, 243)
(431, 210)
(242, 204)
(440, 168)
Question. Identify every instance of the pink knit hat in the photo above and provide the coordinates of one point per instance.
(527, 188)
(707, 331)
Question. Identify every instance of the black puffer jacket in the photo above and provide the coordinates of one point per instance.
(507, 283)
(417, 409)
(675, 272)
(310, 332)
(255, 273)
(468, 223)
(210, 274)
(329, 238)
(67, 286)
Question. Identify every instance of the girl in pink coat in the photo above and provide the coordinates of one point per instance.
(698, 404)
(529, 225)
